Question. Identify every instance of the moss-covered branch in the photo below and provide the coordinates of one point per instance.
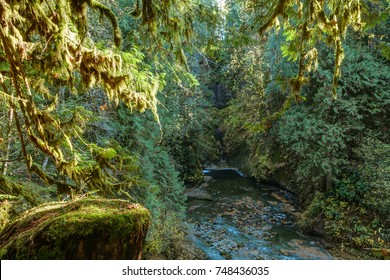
(104, 10)
(44, 45)
(307, 22)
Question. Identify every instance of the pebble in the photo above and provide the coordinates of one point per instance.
(249, 217)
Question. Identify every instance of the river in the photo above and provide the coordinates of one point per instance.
(234, 217)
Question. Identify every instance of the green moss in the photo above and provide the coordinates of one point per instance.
(82, 229)
(11, 188)
(4, 216)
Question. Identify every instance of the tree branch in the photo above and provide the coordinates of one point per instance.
(111, 16)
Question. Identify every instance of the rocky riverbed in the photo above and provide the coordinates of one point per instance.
(232, 217)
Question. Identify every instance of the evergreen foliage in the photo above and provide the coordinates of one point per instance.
(318, 148)
(305, 24)
(78, 106)
(62, 79)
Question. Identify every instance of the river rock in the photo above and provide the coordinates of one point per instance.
(82, 229)
(303, 251)
(318, 226)
(198, 193)
(207, 178)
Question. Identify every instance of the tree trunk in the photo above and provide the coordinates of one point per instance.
(329, 174)
(328, 181)
(4, 167)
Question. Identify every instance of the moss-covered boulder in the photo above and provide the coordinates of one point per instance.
(81, 229)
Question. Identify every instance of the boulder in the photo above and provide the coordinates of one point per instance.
(90, 228)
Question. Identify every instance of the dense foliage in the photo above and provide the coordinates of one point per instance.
(322, 149)
(73, 74)
(114, 98)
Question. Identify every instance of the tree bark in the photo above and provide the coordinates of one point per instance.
(7, 138)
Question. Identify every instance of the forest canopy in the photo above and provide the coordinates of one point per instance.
(120, 98)
(47, 51)
(47, 54)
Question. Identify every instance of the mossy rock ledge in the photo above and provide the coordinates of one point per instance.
(90, 228)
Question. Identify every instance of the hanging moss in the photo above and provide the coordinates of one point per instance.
(9, 188)
(45, 44)
(4, 207)
(81, 229)
(316, 21)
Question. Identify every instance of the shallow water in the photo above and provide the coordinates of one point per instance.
(240, 219)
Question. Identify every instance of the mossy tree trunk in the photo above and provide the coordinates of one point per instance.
(82, 229)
